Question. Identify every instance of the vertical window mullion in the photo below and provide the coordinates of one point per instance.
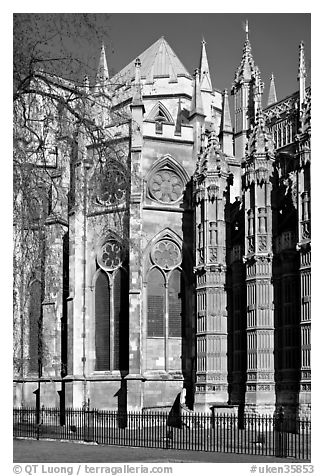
(166, 325)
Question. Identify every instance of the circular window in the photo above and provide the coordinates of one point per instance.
(111, 185)
(110, 255)
(166, 186)
(166, 254)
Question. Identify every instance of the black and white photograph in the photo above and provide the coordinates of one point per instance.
(161, 242)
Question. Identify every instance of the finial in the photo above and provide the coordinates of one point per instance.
(272, 97)
(203, 42)
(137, 71)
(247, 29)
(302, 67)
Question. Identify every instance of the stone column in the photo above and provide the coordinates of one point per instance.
(211, 198)
(257, 187)
(134, 378)
(304, 249)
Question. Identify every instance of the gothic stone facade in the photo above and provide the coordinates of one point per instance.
(194, 273)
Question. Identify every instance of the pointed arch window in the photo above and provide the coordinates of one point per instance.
(111, 308)
(164, 304)
(165, 290)
(166, 181)
(160, 118)
(160, 115)
(175, 303)
(102, 319)
(156, 304)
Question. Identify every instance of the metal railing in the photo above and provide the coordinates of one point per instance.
(279, 436)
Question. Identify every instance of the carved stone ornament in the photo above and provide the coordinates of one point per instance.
(166, 254)
(250, 244)
(262, 243)
(213, 191)
(110, 255)
(165, 186)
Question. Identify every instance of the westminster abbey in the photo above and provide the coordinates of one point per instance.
(182, 264)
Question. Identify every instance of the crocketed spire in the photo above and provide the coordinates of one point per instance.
(226, 123)
(205, 81)
(258, 90)
(246, 67)
(102, 73)
(272, 97)
(137, 95)
(196, 102)
(302, 74)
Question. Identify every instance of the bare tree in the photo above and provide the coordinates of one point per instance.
(58, 116)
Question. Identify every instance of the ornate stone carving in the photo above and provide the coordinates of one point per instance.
(213, 254)
(262, 243)
(166, 254)
(250, 244)
(166, 186)
(213, 191)
(305, 230)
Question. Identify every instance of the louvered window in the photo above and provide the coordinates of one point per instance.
(121, 320)
(156, 304)
(175, 304)
(102, 319)
(35, 310)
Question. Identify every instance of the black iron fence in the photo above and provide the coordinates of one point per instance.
(281, 436)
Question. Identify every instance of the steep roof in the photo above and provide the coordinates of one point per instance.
(159, 60)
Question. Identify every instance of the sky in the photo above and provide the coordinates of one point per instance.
(274, 37)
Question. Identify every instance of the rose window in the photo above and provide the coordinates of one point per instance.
(166, 254)
(112, 187)
(166, 186)
(110, 255)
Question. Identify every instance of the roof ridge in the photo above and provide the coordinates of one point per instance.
(168, 53)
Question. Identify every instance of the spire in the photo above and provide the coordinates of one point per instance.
(102, 72)
(258, 90)
(272, 98)
(137, 96)
(205, 81)
(226, 130)
(247, 29)
(302, 74)
(226, 124)
(246, 67)
(196, 102)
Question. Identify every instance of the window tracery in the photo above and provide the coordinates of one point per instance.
(110, 255)
(166, 254)
(166, 186)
